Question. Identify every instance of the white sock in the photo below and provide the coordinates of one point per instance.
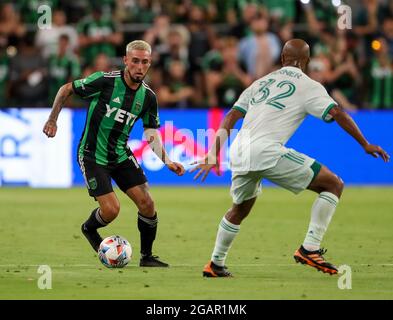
(226, 233)
(321, 213)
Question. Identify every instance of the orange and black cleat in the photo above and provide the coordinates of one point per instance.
(315, 260)
(211, 270)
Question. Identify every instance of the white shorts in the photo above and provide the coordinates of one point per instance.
(294, 171)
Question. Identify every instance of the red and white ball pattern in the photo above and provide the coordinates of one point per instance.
(115, 252)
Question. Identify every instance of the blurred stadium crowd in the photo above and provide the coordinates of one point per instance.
(205, 52)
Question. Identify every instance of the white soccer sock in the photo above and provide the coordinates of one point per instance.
(226, 233)
(321, 213)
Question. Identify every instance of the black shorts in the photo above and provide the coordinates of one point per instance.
(126, 174)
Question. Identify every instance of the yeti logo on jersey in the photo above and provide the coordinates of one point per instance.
(120, 115)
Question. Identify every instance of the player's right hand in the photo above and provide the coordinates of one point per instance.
(50, 128)
(204, 168)
(377, 151)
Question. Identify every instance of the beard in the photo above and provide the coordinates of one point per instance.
(135, 80)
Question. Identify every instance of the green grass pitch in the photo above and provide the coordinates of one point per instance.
(42, 227)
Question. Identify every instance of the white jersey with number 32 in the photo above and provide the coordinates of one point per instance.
(274, 108)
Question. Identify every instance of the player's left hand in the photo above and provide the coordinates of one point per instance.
(176, 168)
(377, 151)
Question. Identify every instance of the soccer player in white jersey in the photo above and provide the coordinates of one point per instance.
(273, 108)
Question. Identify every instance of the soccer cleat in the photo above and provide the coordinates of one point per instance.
(152, 261)
(93, 237)
(315, 259)
(211, 270)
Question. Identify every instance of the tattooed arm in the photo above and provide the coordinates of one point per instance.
(50, 126)
(154, 139)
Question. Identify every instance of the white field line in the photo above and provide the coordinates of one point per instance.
(185, 265)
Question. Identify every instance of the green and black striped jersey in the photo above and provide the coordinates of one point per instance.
(114, 108)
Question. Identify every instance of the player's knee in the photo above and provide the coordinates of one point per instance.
(237, 214)
(336, 186)
(111, 211)
(340, 186)
(146, 205)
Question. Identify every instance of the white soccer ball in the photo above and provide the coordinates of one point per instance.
(115, 252)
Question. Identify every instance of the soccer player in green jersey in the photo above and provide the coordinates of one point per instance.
(117, 100)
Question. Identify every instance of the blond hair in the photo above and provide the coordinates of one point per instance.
(138, 45)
